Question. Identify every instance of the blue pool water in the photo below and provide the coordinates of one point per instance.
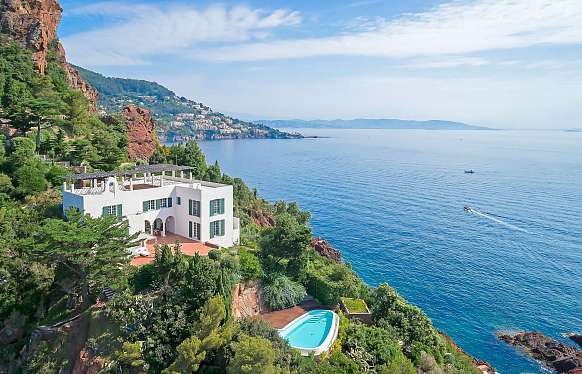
(392, 202)
(310, 331)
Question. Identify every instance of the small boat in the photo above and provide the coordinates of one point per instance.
(467, 208)
(471, 171)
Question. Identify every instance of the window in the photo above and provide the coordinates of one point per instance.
(216, 207)
(113, 210)
(110, 210)
(178, 200)
(216, 228)
(157, 204)
(194, 230)
(194, 208)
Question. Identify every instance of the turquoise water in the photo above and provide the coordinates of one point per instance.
(311, 331)
(392, 202)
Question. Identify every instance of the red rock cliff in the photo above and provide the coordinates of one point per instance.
(141, 132)
(33, 24)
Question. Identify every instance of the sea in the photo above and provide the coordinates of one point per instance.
(392, 201)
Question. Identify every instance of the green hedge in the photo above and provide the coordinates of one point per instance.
(328, 282)
(326, 292)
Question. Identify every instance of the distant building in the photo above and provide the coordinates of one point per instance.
(156, 200)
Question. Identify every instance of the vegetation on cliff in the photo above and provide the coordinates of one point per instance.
(178, 118)
(172, 316)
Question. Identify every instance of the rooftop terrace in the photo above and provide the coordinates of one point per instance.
(143, 169)
(140, 178)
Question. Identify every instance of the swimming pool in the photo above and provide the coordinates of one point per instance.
(314, 331)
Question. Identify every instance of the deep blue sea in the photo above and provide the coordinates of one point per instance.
(392, 202)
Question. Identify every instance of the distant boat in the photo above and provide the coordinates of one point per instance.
(471, 171)
(467, 208)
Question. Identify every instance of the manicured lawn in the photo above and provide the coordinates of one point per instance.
(355, 305)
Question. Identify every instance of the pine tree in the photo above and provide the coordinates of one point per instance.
(93, 250)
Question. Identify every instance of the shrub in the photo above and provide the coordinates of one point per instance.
(380, 343)
(401, 365)
(328, 282)
(257, 327)
(281, 292)
(250, 266)
(144, 277)
(30, 177)
(409, 322)
(252, 355)
(428, 364)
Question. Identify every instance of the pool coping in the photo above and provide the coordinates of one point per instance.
(329, 339)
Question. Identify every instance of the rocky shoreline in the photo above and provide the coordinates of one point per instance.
(556, 355)
(576, 338)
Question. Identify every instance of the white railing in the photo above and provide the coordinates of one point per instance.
(89, 191)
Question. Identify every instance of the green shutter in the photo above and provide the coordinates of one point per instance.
(119, 211)
(211, 210)
(221, 206)
(105, 211)
(169, 202)
(146, 206)
(158, 204)
(190, 228)
(189, 206)
(211, 230)
(222, 227)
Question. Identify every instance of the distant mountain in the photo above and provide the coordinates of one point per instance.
(573, 130)
(177, 118)
(364, 123)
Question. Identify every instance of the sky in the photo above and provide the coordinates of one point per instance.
(513, 64)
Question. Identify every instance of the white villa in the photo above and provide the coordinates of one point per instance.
(156, 200)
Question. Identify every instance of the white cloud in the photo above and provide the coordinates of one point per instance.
(152, 30)
(449, 63)
(453, 28)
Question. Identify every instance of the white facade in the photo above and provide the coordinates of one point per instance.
(158, 204)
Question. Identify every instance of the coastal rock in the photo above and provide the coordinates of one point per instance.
(484, 366)
(262, 219)
(576, 338)
(325, 249)
(33, 24)
(561, 357)
(246, 300)
(141, 132)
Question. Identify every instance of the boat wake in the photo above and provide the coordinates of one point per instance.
(497, 220)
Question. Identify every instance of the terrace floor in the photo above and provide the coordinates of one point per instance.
(280, 318)
(188, 247)
(143, 186)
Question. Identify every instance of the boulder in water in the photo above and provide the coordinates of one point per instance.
(556, 355)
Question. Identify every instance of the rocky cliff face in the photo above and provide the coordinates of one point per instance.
(141, 132)
(33, 24)
(561, 357)
(77, 82)
(326, 250)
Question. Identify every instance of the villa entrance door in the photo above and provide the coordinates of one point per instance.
(159, 227)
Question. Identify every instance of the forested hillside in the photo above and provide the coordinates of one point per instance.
(110, 87)
(178, 118)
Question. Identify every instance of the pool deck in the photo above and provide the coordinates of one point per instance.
(281, 318)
